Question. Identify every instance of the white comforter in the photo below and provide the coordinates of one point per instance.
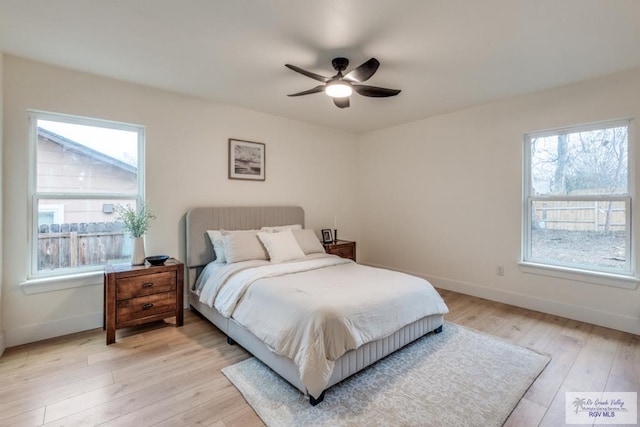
(316, 309)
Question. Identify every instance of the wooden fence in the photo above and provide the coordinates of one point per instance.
(580, 216)
(78, 245)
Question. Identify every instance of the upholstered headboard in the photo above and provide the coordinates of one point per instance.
(199, 220)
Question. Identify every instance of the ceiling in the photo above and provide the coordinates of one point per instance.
(444, 55)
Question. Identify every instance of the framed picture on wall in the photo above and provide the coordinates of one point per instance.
(247, 160)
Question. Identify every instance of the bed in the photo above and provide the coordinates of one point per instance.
(264, 279)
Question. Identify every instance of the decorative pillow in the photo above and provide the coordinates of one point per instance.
(308, 241)
(218, 245)
(243, 245)
(282, 246)
(279, 228)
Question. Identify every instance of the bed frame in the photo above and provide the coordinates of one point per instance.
(200, 252)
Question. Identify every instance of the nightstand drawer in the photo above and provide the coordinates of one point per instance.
(342, 248)
(150, 305)
(343, 251)
(132, 287)
(139, 294)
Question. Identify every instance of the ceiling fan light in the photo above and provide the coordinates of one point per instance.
(338, 89)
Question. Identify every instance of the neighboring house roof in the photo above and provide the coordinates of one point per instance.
(86, 151)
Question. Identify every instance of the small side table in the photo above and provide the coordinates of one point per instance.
(342, 248)
(139, 294)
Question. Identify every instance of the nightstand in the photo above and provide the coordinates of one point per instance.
(342, 248)
(139, 294)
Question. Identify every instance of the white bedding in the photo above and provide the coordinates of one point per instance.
(316, 309)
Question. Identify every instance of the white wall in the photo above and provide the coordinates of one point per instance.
(186, 152)
(2, 341)
(442, 198)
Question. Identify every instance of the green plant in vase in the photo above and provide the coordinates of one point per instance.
(136, 222)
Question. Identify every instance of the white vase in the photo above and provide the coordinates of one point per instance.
(138, 256)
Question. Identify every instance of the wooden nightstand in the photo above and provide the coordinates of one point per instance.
(343, 248)
(139, 294)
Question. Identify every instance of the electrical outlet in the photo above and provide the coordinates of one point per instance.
(500, 270)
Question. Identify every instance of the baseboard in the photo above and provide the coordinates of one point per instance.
(43, 331)
(570, 311)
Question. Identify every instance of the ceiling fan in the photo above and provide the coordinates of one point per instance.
(340, 86)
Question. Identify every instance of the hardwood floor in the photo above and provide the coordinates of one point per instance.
(162, 375)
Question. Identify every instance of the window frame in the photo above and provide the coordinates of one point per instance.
(33, 275)
(626, 278)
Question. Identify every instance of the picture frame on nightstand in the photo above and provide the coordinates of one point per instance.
(327, 237)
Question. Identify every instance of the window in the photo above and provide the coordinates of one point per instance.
(577, 199)
(81, 168)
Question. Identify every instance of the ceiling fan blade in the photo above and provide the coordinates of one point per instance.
(363, 72)
(310, 91)
(377, 92)
(341, 102)
(307, 73)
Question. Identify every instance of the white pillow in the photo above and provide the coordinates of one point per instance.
(279, 228)
(308, 241)
(218, 245)
(243, 246)
(282, 246)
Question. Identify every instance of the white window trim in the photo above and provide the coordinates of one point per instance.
(579, 275)
(626, 280)
(66, 279)
(60, 282)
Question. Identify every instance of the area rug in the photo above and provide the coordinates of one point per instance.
(456, 378)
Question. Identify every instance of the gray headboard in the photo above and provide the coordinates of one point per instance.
(199, 220)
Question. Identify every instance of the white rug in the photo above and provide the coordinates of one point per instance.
(457, 378)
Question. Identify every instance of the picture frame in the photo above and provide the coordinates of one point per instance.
(327, 237)
(247, 160)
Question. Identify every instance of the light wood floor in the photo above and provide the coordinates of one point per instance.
(162, 375)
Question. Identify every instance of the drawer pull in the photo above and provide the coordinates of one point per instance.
(147, 285)
(147, 306)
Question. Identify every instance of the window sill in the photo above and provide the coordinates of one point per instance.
(605, 279)
(57, 283)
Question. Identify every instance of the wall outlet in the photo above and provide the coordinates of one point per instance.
(500, 270)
